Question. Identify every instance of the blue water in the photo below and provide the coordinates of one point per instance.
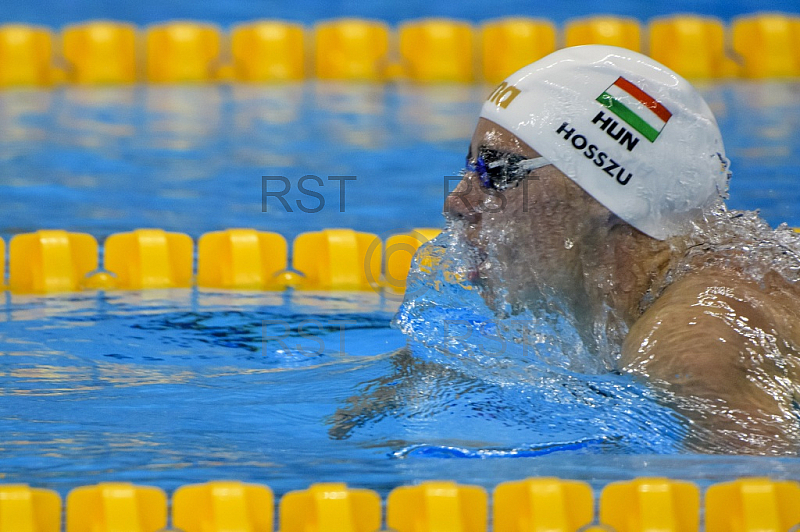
(192, 159)
(175, 387)
(227, 12)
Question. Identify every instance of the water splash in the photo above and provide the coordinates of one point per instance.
(740, 240)
(552, 365)
(535, 359)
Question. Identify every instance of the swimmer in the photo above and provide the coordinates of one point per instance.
(589, 179)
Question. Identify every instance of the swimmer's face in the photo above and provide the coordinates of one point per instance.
(528, 230)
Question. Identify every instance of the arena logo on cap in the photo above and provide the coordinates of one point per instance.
(503, 95)
(637, 108)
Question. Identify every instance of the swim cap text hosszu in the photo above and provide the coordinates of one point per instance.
(633, 134)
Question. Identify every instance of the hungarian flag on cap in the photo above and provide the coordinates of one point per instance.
(637, 108)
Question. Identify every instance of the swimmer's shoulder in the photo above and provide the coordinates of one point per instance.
(772, 301)
(713, 309)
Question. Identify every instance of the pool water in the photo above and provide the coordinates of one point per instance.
(180, 386)
(227, 12)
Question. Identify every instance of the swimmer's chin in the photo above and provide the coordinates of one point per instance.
(478, 275)
(487, 288)
(482, 274)
(479, 280)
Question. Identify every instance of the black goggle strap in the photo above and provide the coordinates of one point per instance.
(497, 169)
(500, 171)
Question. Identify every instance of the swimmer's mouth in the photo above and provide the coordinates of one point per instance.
(476, 276)
(476, 254)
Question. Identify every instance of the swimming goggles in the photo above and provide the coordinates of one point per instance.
(499, 170)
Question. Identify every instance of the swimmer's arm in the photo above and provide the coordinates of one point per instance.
(407, 382)
(376, 397)
(715, 375)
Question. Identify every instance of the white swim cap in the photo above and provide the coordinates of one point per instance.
(633, 134)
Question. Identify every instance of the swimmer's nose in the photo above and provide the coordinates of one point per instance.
(462, 203)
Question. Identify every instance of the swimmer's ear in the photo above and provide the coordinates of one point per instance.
(725, 168)
(614, 221)
(616, 226)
